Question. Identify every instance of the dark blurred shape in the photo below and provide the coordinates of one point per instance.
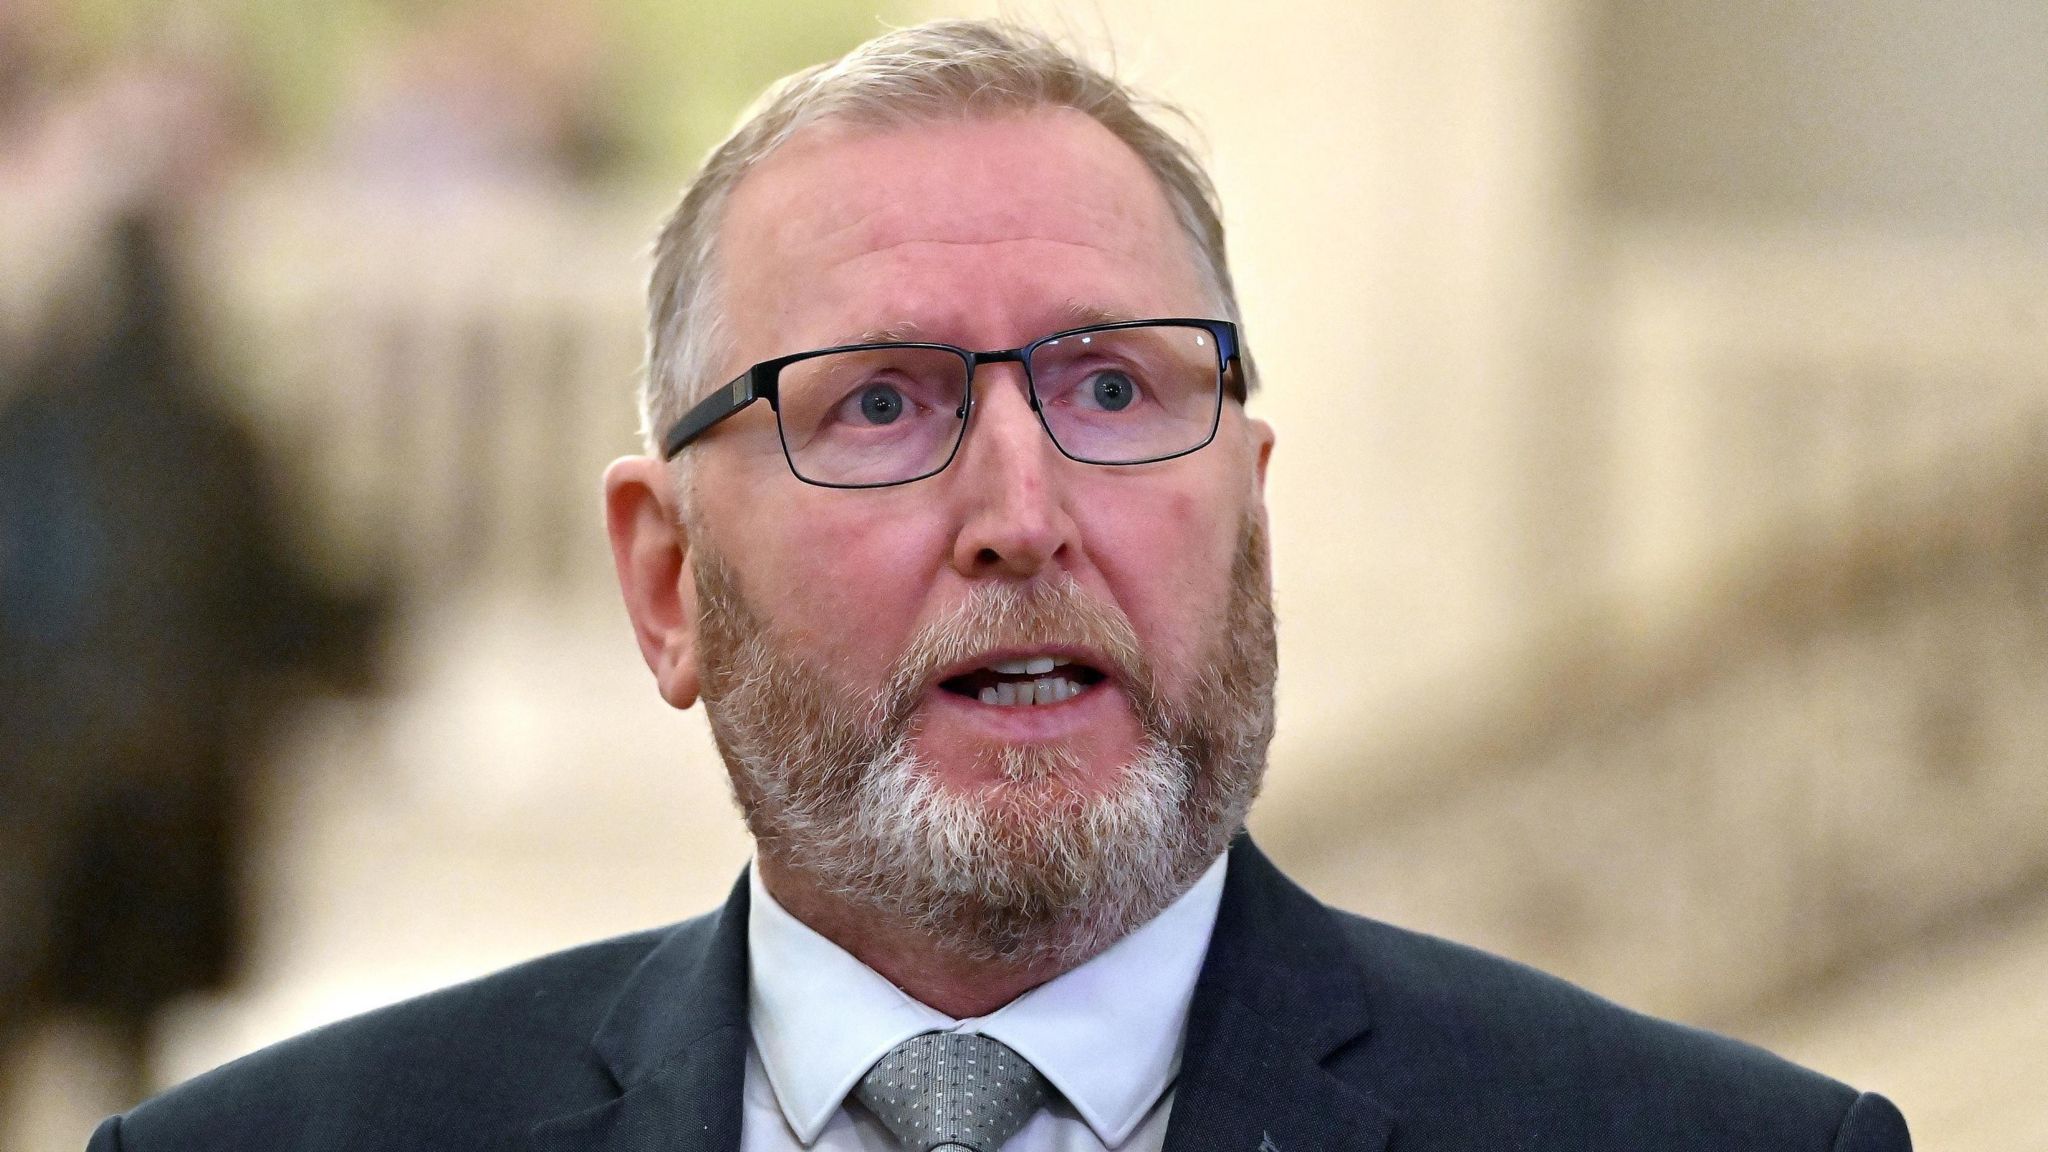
(149, 616)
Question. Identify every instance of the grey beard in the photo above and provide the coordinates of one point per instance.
(1029, 870)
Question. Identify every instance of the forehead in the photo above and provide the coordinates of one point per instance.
(970, 230)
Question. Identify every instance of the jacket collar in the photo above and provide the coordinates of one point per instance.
(675, 1043)
(1280, 996)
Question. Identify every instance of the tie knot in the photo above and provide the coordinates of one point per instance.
(943, 1089)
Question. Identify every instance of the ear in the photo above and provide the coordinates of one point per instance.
(1262, 451)
(651, 551)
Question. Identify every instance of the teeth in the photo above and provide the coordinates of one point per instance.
(1036, 666)
(1044, 690)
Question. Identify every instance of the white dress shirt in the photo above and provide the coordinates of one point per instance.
(1107, 1034)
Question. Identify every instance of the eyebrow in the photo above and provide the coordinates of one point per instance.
(1072, 314)
(1080, 315)
(905, 330)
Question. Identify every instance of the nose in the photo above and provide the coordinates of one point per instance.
(1012, 486)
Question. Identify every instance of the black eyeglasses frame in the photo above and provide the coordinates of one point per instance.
(762, 382)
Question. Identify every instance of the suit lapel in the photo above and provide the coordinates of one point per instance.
(1279, 996)
(675, 1042)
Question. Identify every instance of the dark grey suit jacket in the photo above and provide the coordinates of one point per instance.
(1311, 1029)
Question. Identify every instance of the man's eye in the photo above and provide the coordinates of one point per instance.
(880, 404)
(1109, 390)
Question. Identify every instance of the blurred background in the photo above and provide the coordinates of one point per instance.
(1660, 508)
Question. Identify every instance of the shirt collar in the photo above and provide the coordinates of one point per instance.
(1106, 1034)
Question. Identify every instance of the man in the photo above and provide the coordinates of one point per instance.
(954, 521)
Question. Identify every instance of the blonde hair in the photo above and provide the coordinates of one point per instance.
(935, 71)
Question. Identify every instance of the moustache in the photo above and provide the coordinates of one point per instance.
(1051, 613)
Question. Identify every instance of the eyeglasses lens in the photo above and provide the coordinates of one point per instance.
(876, 416)
(1127, 395)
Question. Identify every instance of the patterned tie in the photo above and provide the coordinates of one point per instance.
(948, 1089)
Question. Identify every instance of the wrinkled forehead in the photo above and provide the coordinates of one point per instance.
(900, 220)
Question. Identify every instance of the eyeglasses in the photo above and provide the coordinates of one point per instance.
(873, 415)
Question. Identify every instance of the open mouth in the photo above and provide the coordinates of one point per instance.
(1027, 682)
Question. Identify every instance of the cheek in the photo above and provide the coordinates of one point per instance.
(1168, 560)
(850, 588)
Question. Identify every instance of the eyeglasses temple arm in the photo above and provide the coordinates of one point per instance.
(708, 412)
(1236, 377)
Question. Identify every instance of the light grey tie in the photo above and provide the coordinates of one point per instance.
(948, 1089)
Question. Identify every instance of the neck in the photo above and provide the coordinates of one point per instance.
(958, 986)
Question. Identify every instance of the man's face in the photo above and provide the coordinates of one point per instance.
(883, 611)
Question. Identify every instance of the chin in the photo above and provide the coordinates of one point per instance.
(1044, 859)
